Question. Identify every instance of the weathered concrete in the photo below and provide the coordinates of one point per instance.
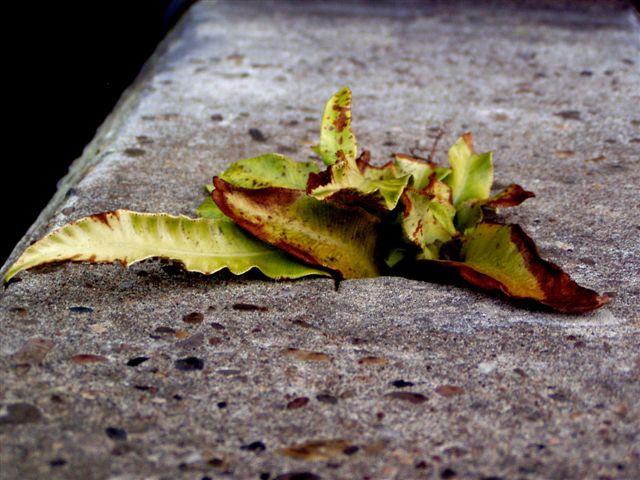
(505, 392)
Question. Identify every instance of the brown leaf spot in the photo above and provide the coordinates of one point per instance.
(449, 390)
(306, 355)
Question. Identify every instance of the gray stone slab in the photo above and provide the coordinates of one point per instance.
(495, 391)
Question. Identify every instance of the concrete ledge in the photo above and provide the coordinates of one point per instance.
(384, 378)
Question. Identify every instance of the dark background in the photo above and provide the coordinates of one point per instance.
(69, 62)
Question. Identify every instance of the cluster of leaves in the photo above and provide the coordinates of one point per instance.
(351, 220)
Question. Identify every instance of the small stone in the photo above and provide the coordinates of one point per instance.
(83, 358)
(163, 333)
(411, 397)
(81, 309)
(248, 307)
(297, 403)
(330, 399)
(447, 473)
(193, 318)
(519, 371)
(257, 135)
(134, 152)
(189, 364)
(350, 450)
(134, 362)
(98, 327)
(449, 390)
(298, 476)
(115, 433)
(18, 413)
(568, 114)
(372, 361)
(33, 352)
(254, 447)
(216, 117)
(402, 383)
(306, 355)
(192, 342)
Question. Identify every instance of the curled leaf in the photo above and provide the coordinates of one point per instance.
(359, 183)
(427, 220)
(419, 169)
(270, 170)
(503, 258)
(200, 245)
(337, 141)
(319, 233)
(511, 196)
(470, 213)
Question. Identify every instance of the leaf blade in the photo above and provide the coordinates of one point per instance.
(319, 233)
(471, 173)
(497, 257)
(201, 245)
(337, 141)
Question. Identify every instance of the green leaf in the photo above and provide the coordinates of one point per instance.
(427, 219)
(208, 209)
(319, 233)
(270, 170)
(471, 173)
(503, 258)
(470, 212)
(359, 183)
(337, 141)
(419, 169)
(200, 245)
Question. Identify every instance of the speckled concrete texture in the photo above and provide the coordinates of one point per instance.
(152, 373)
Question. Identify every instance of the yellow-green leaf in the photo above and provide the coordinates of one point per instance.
(270, 170)
(470, 212)
(503, 258)
(200, 245)
(427, 219)
(359, 183)
(319, 233)
(337, 141)
(471, 173)
(419, 169)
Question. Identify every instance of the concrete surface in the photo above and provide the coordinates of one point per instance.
(384, 378)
